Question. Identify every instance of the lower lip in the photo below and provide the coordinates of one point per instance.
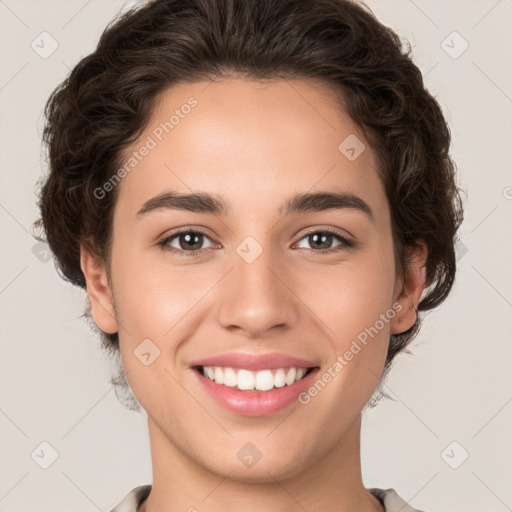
(256, 403)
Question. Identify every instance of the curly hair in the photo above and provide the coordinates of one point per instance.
(106, 102)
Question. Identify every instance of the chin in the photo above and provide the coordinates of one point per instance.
(262, 472)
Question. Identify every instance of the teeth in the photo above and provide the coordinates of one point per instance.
(247, 380)
(279, 378)
(290, 376)
(264, 380)
(230, 378)
(219, 375)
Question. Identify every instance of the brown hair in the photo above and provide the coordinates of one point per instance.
(107, 99)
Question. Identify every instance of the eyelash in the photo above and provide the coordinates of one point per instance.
(346, 243)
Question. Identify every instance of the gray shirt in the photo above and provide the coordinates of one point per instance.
(388, 497)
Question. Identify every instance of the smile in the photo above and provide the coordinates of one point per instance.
(247, 380)
(255, 393)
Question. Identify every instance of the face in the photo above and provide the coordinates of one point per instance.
(255, 278)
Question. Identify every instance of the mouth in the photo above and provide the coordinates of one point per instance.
(255, 384)
(256, 393)
(260, 381)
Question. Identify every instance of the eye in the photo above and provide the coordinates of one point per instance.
(189, 242)
(320, 240)
(186, 242)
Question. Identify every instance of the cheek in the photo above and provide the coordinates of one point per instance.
(357, 312)
(353, 296)
(153, 307)
(154, 299)
(357, 307)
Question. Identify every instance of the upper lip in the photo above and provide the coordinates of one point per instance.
(254, 362)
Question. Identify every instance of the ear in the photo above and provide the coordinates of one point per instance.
(412, 287)
(98, 289)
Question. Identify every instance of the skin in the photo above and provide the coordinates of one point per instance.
(256, 144)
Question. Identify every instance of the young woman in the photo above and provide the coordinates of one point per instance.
(259, 200)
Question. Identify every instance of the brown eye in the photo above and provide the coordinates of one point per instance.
(322, 241)
(190, 241)
(187, 242)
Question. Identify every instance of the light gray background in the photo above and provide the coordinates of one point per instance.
(54, 380)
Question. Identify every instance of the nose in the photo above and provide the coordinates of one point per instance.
(257, 298)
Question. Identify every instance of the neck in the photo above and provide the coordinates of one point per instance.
(332, 482)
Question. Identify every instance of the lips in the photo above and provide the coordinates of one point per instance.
(254, 402)
(271, 395)
(254, 362)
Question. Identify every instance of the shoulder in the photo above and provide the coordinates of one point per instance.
(133, 499)
(389, 497)
(392, 501)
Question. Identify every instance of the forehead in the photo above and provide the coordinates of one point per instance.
(249, 140)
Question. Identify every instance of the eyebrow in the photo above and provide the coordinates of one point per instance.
(202, 202)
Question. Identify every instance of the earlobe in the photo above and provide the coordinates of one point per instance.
(98, 290)
(413, 286)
